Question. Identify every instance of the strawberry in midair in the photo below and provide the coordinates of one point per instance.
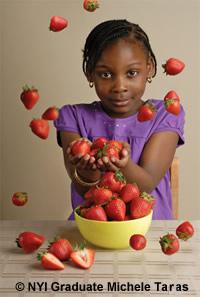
(57, 24)
(90, 5)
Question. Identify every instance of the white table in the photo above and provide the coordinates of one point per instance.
(140, 273)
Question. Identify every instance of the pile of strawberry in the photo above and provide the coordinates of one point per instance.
(114, 199)
(59, 250)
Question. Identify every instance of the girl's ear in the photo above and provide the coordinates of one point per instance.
(150, 67)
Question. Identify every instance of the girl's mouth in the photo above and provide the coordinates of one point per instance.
(120, 103)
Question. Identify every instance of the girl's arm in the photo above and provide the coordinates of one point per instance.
(85, 165)
(154, 163)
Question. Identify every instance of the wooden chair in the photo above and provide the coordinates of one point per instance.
(174, 179)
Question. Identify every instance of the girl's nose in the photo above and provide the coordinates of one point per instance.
(119, 85)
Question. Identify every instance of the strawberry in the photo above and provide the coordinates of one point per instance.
(93, 152)
(127, 217)
(173, 106)
(96, 213)
(61, 248)
(173, 66)
(57, 24)
(98, 195)
(171, 95)
(49, 261)
(109, 151)
(114, 181)
(169, 244)
(185, 231)
(29, 96)
(82, 256)
(99, 143)
(139, 208)
(146, 112)
(146, 196)
(20, 198)
(138, 241)
(40, 128)
(51, 114)
(116, 145)
(90, 5)
(116, 209)
(81, 146)
(29, 241)
(129, 192)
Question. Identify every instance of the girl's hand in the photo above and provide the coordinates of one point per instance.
(113, 164)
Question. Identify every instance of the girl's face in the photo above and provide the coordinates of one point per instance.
(120, 77)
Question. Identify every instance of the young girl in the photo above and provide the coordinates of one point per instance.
(118, 61)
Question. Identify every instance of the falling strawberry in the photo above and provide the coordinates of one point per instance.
(29, 241)
(61, 248)
(20, 198)
(146, 112)
(169, 244)
(57, 24)
(116, 209)
(138, 241)
(173, 106)
(185, 231)
(96, 213)
(49, 261)
(40, 127)
(173, 66)
(51, 114)
(171, 95)
(113, 180)
(82, 256)
(90, 5)
(29, 96)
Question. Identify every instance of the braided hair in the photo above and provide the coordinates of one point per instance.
(105, 33)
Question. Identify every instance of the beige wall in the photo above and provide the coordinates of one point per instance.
(30, 54)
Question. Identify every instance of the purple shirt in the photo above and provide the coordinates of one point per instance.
(90, 121)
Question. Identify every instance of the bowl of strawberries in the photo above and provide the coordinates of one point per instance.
(113, 211)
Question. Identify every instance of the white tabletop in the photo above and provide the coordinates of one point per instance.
(127, 272)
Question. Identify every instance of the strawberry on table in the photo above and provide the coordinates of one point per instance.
(138, 241)
(98, 195)
(172, 106)
(169, 244)
(20, 198)
(146, 112)
(29, 96)
(40, 127)
(99, 143)
(90, 5)
(49, 261)
(61, 248)
(29, 241)
(81, 146)
(51, 114)
(139, 208)
(96, 213)
(129, 192)
(114, 181)
(82, 256)
(116, 209)
(57, 24)
(185, 231)
(173, 66)
(171, 95)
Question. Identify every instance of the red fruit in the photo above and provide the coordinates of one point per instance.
(29, 96)
(49, 261)
(129, 192)
(109, 151)
(139, 208)
(99, 143)
(57, 24)
(116, 209)
(146, 196)
(113, 180)
(96, 213)
(138, 241)
(51, 114)
(171, 95)
(116, 145)
(146, 112)
(173, 66)
(81, 147)
(127, 218)
(20, 198)
(172, 106)
(29, 241)
(90, 5)
(184, 231)
(40, 128)
(169, 244)
(98, 195)
(83, 256)
(61, 248)
(93, 152)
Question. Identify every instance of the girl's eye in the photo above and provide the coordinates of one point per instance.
(132, 73)
(105, 74)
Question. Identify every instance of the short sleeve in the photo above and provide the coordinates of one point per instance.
(67, 121)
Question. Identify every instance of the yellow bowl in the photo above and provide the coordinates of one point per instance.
(112, 235)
